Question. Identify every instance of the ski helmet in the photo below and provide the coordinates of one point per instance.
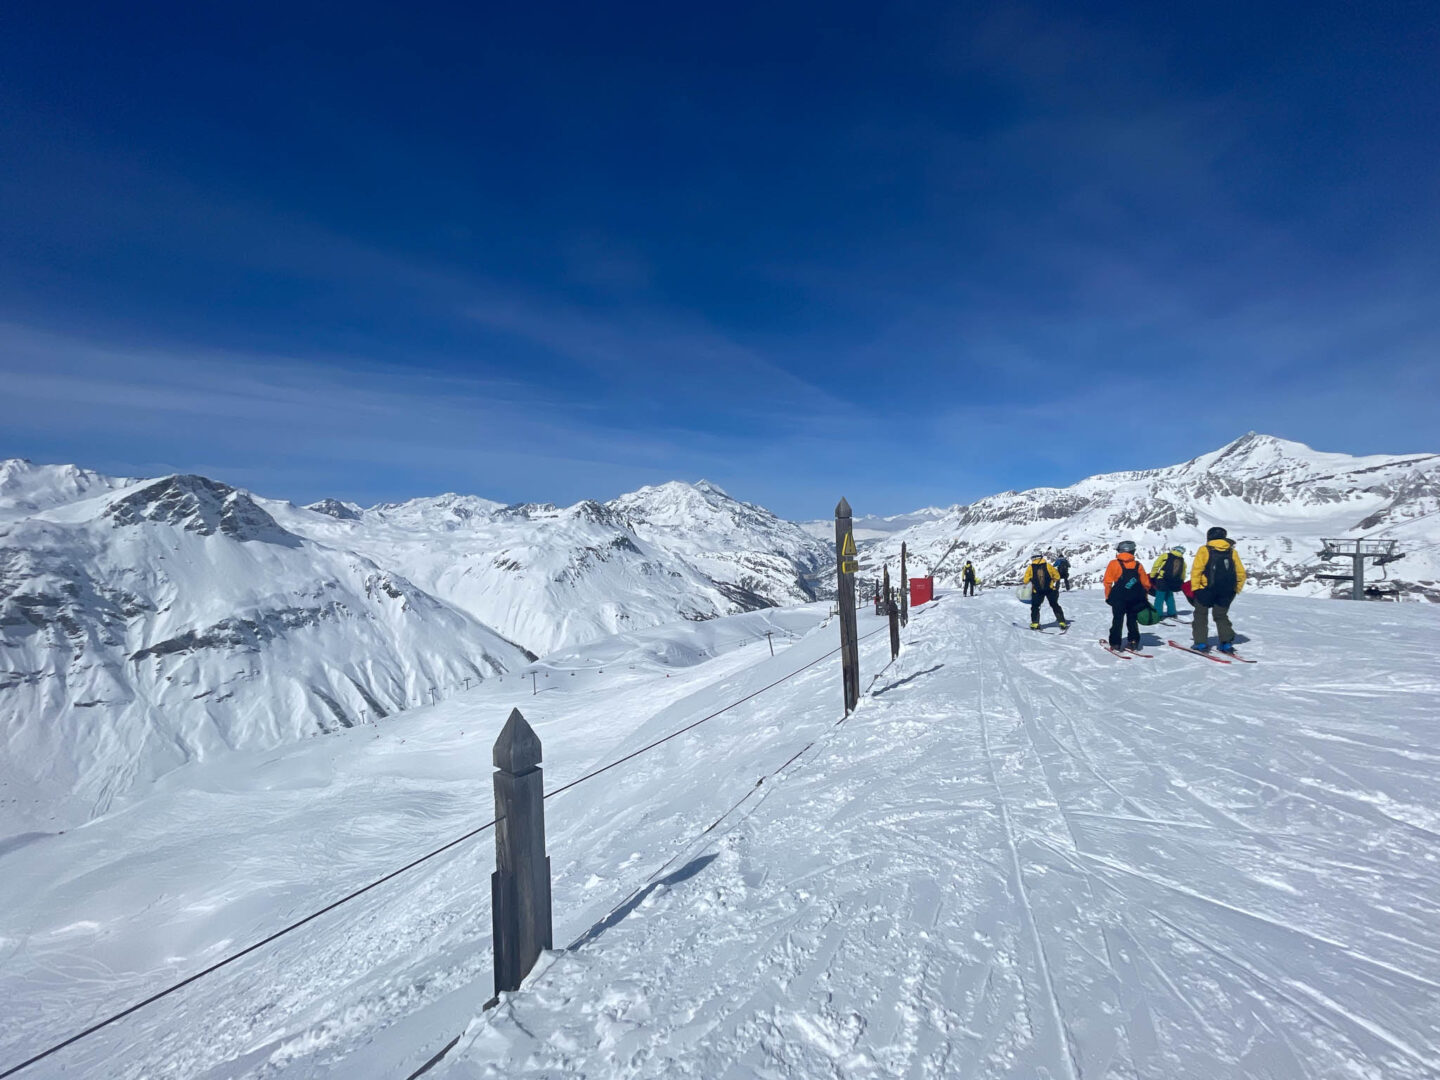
(1126, 547)
(1177, 550)
(1216, 533)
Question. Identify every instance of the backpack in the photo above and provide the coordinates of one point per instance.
(1062, 564)
(1128, 594)
(1171, 572)
(1221, 582)
(1040, 577)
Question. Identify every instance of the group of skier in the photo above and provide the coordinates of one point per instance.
(1215, 578)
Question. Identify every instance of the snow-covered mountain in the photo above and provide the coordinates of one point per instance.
(1278, 499)
(144, 623)
(147, 623)
(551, 577)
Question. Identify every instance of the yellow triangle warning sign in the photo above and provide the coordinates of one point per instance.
(847, 549)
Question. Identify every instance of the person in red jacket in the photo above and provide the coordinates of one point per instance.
(1127, 588)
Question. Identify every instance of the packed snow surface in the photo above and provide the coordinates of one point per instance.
(1020, 857)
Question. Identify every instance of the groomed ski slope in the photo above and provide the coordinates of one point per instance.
(1020, 857)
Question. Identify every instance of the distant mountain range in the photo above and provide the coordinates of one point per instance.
(1277, 499)
(144, 623)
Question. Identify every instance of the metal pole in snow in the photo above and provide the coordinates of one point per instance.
(845, 567)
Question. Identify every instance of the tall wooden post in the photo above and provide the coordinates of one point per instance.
(904, 589)
(520, 886)
(893, 611)
(845, 566)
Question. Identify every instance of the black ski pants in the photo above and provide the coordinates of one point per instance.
(1065, 577)
(1131, 621)
(969, 589)
(1054, 598)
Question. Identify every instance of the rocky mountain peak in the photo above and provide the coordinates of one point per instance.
(336, 509)
(199, 505)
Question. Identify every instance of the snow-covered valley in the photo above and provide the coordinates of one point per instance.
(1019, 857)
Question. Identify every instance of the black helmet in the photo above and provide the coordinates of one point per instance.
(1126, 547)
(1216, 533)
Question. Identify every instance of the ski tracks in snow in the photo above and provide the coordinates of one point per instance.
(1024, 861)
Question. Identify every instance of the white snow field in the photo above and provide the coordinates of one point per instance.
(1021, 857)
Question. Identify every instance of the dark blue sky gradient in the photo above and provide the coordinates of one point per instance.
(915, 253)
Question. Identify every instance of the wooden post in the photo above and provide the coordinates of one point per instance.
(845, 567)
(894, 612)
(904, 589)
(520, 885)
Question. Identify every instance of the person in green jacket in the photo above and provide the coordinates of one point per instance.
(1168, 577)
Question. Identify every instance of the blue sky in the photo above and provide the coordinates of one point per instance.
(910, 253)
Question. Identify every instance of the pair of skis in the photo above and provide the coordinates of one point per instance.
(1125, 654)
(1225, 659)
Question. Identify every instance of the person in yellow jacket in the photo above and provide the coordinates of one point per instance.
(1168, 575)
(1044, 582)
(1216, 577)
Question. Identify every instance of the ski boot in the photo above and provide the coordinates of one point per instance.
(1201, 646)
(1227, 646)
(1034, 626)
(1064, 625)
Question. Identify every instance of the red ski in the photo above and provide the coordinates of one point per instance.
(1196, 652)
(1113, 652)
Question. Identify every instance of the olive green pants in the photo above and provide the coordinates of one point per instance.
(1222, 623)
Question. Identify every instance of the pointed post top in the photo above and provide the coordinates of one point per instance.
(517, 750)
(842, 508)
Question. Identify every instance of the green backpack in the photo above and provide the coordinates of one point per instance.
(1148, 617)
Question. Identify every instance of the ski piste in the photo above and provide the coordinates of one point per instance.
(1197, 652)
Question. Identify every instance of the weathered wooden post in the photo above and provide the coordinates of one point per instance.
(894, 612)
(845, 567)
(904, 589)
(520, 886)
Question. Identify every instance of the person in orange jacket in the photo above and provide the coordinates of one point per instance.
(1127, 588)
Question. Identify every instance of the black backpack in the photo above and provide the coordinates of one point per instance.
(1127, 593)
(1040, 577)
(1171, 571)
(1221, 582)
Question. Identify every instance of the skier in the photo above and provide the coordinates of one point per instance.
(1126, 591)
(1062, 567)
(1216, 578)
(968, 576)
(1044, 581)
(1168, 574)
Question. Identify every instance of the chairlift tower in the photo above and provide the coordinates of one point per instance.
(1358, 550)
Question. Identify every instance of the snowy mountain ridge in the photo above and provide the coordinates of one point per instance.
(145, 623)
(1277, 498)
(148, 623)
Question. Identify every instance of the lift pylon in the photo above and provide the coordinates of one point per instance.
(1358, 549)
